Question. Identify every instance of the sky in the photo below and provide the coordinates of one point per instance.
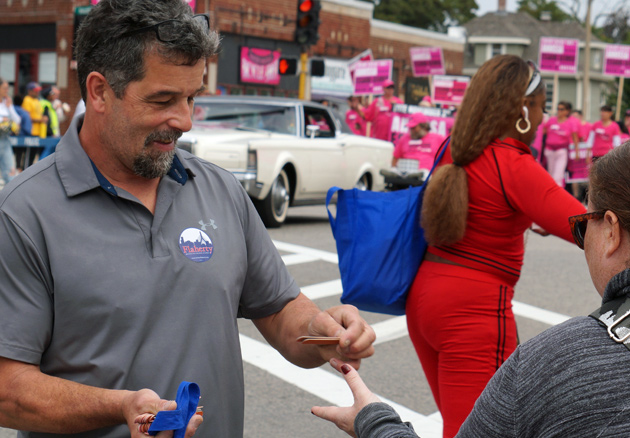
(598, 6)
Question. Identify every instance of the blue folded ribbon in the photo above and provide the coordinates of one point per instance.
(187, 400)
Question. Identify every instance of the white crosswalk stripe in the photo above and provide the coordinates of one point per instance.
(332, 388)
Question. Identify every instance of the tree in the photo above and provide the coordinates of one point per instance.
(616, 27)
(536, 8)
(436, 15)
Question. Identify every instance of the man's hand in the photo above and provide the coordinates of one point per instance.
(302, 317)
(146, 401)
(356, 336)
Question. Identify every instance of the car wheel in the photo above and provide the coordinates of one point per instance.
(363, 183)
(273, 209)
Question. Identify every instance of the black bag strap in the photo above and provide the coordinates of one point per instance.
(615, 317)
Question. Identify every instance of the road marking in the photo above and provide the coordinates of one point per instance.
(538, 314)
(396, 327)
(323, 290)
(326, 256)
(332, 388)
(296, 259)
(325, 385)
(331, 288)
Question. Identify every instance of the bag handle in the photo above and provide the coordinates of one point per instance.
(438, 159)
(329, 195)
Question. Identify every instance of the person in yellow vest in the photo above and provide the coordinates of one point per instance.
(52, 127)
(34, 107)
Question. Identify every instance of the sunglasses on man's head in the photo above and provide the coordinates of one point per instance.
(171, 30)
(579, 223)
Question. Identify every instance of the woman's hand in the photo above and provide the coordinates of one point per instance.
(344, 417)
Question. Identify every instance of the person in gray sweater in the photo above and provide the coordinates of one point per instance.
(569, 381)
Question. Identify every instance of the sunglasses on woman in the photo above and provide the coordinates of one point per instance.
(578, 225)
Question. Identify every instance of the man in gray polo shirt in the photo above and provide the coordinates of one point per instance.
(125, 264)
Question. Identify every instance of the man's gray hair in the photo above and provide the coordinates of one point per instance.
(103, 46)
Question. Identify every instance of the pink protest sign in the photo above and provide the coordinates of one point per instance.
(558, 55)
(427, 61)
(366, 55)
(370, 75)
(259, 66)
(439, 125)
(617, 60)
(449, 90)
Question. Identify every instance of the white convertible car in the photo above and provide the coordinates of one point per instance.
(285, 152)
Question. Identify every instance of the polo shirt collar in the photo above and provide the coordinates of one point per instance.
(78, 173)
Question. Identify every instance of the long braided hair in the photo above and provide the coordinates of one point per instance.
(491, 105)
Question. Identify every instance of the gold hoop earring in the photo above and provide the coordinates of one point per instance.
(521, 130)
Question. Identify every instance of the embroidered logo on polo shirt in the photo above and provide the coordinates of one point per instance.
(196, 245)
(209, 224)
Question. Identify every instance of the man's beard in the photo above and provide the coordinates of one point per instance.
(149, 164)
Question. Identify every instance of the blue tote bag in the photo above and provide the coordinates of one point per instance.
(380, 245)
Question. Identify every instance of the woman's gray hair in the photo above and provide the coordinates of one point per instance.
(103, 47)
(609, 183)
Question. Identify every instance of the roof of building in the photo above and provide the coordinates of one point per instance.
(522, 25)
(503, 26)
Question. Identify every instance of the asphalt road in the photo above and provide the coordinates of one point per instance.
(554, 285)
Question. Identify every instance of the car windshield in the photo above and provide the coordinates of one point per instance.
(237, 115)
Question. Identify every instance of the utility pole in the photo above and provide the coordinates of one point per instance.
(303, 74)
(586, 104)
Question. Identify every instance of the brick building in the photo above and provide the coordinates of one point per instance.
(36, 43)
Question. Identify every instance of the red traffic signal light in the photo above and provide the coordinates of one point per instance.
(305, 6)
(307, 22)
(287, 66)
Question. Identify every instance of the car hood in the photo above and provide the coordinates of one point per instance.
(225, 135)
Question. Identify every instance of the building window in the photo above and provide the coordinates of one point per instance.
(549, 98)
(47, 71)
(496, 49)
(596, 60)
(21, 67)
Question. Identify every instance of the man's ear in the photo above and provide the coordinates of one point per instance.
(98, 91)
(613, 233)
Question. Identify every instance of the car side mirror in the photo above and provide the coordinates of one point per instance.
(312, 130)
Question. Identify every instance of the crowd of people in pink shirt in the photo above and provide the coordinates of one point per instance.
(565, 143)
(375, 120)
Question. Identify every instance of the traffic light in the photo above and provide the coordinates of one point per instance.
(318, 67)
(288, 66)
(307, 22)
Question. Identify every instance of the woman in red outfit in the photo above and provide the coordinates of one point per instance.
(484, 196)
